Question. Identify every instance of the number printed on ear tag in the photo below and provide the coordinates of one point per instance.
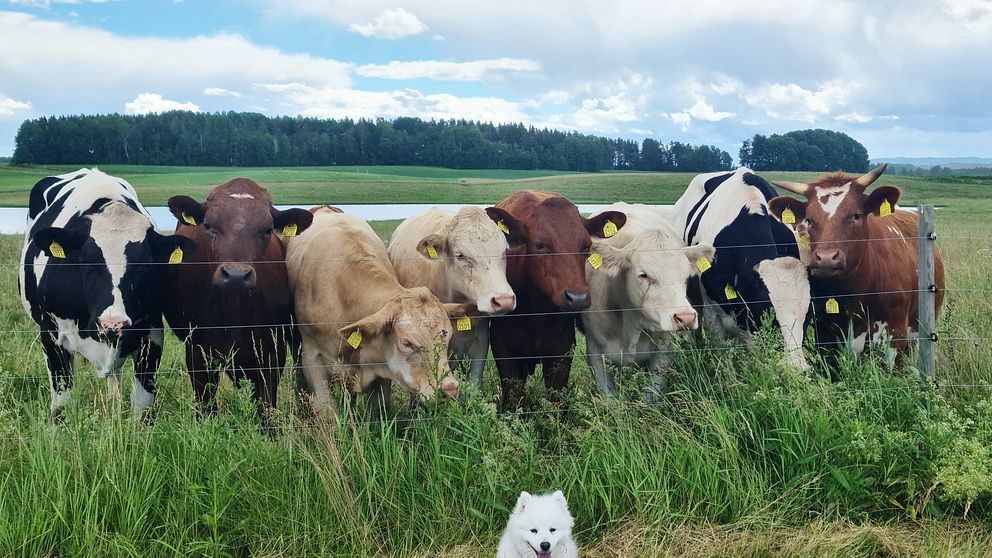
(355, 339)
(463, 324)
(502, 226)
(788, 217)
(729, 292)
(289, 230)
(702, 264)
(832, 306)
(609, 229)
(56, 249)
(804, 240)
(885, 209)
(431, 252)
(595, 260)
(176, 256)
(189, 220)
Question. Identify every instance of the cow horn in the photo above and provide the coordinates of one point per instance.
(866, 180)
(794, 187)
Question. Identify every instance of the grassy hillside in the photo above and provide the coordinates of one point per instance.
(744, 458)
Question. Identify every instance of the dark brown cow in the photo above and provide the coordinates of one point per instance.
(231, 303)
(547, 273)
(861, 244)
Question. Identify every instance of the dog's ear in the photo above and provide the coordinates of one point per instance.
(522, 502)
(559, 498)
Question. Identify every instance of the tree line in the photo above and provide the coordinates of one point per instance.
(250, 139)
(804, 150)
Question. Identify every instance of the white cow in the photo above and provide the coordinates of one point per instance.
(460, 257)
(638, 295)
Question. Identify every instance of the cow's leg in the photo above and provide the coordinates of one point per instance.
(899, 354)
(380, 401)
(477, 353)
(556, 371)
(317, 375)
(513, 371)
(202, 377)
(60, 365)
(597, 362)
(146, 361)
(658, 369)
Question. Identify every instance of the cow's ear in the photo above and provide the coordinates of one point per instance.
(881, 195)
(600, 225)
(187, 210)
(702, 252)
(164, 247)
(778, 206)
(462, 314)
(513, 228)
(431, 246)
(354, 336)
(59, 243)
(612, 260)
(291, 222)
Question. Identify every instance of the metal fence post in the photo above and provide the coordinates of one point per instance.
(927, 293)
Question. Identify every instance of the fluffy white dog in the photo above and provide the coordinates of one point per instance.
(539, 527)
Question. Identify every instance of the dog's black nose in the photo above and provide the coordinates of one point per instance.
(545, 546)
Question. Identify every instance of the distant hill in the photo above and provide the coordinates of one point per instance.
(949, 162)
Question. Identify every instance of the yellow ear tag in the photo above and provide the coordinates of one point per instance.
(463, 324)
(804, 240)
(788, 217)
(56, 249)
(703, 264)
(289, 230)
(832, 306)
(355, 339)
(595, 260)
(189, 220)
(502, 226)
(729, 292)
(176, 256)
(431, 252)
(885, 209)
(609, 229)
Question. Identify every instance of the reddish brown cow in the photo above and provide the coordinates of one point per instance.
(861, 244)
(231, 303)
(547, 273)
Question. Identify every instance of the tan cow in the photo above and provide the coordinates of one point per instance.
(358, 325)
(637, 293)
(460, 257)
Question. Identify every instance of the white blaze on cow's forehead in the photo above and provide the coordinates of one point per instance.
(242, 196)
(112, 230)
(831, 197)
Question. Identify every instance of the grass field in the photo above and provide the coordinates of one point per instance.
(743, 459)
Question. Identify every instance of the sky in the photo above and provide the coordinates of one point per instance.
(908, 78)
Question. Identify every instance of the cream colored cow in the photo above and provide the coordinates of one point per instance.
(637, 288)
(460, 257)
(358, 325)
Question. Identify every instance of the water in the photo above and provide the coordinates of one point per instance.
(12, 219)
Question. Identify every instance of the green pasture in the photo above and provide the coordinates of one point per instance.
(743, 458)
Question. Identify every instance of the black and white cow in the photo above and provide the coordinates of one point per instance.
(86, 280)
(757, 264)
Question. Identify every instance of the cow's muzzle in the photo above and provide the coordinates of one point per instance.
(112, 328)
(235, 276)
(685, 320)
(575, 300)
(827, 262)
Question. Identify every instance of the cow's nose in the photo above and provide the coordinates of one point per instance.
(503, 303)
(576, 300)
(684, 319)
(449, 387)
(545, 546)
(112, 327)
(828, 257)
(236, 276)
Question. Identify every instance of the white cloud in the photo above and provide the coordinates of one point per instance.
(701, 110)
(853, 117)
(438, 38)
(725, 85)
(681, 118)
(390, 24)
(220, 92)
(9, 106)
(331, 102)
(793, 102)
(146, 103)
(478, 70)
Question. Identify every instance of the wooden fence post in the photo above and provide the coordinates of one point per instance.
(927, 293)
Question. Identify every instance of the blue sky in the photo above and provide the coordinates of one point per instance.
(906, 78)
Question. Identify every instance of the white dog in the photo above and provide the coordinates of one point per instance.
(539, 527)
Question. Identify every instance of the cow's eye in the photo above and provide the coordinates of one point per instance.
(643, 277)
(533, 531)
(539, 246)
(461, 257)
(210, 229)
(855, 216)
